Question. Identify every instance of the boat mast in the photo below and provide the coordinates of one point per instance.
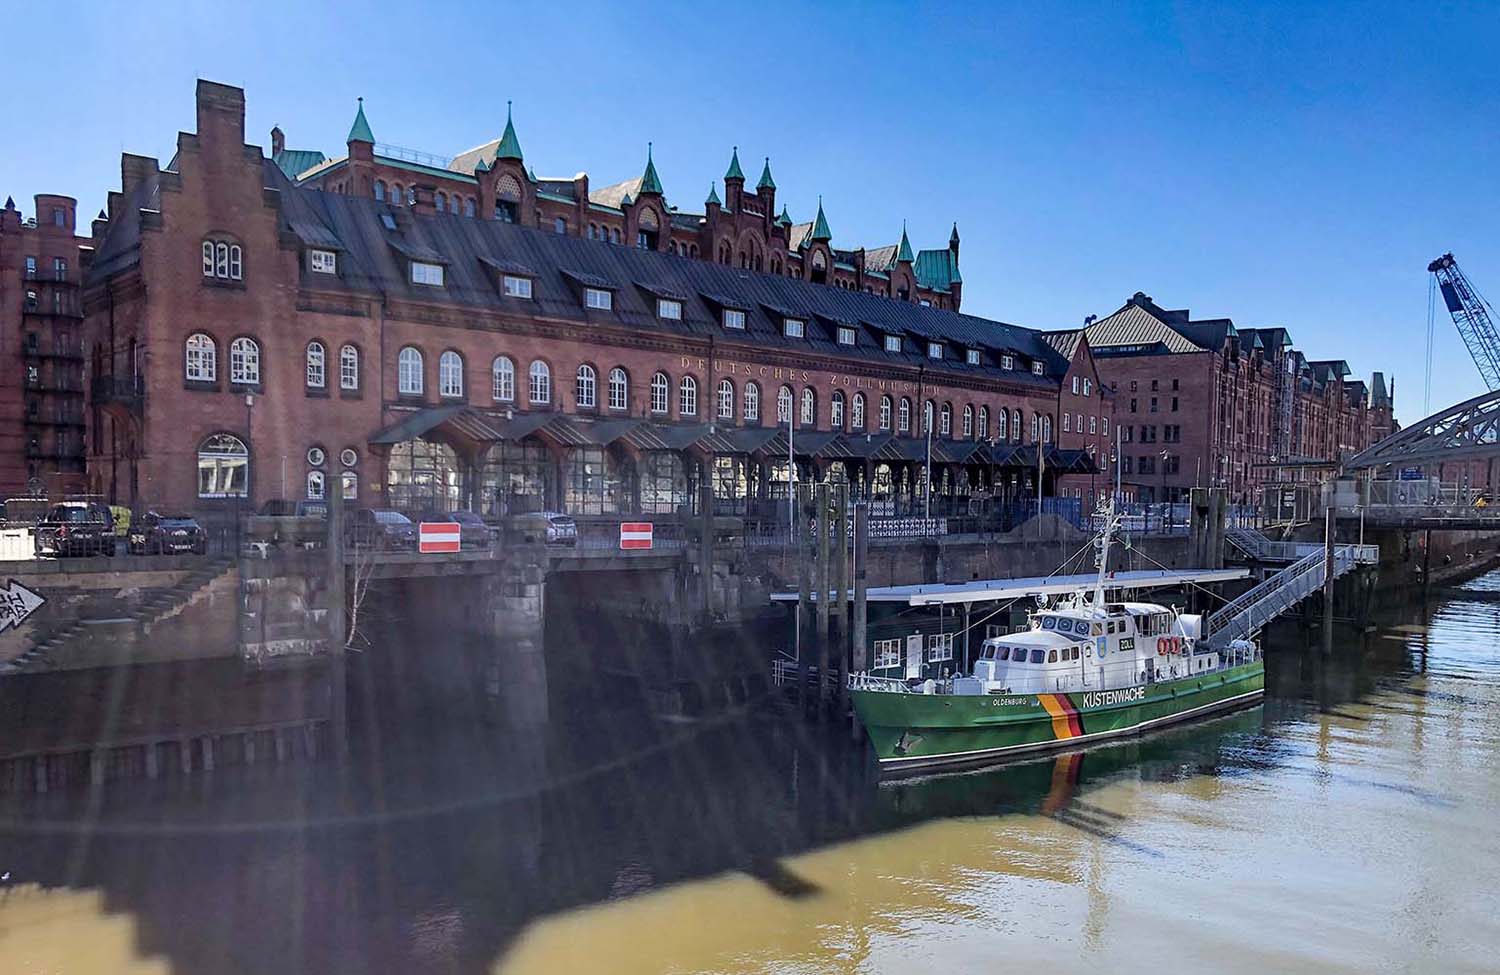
(1101, 546)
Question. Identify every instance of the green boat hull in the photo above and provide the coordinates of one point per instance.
(922, 731)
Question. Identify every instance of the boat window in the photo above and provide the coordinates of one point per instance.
(1051, 656)
(1036, 655)
(988, 654)
(1005, 652)
(1049, 622)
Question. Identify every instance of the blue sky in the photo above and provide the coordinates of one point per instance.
(1286, 164)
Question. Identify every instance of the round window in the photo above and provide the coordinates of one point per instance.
(349, 456)
(315, 456)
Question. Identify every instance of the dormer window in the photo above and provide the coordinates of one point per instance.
(934, 350)
(222, 260)
(793, 328)
(516, 286)
(734, 318)
(1038, 368)
(322, 262)
(846, 335)
(893, 343)
(669, 309)
(972, 357)
(1007, 362)
(598, 298)
(429, 274)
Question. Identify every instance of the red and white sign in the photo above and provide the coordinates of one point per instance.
(437, 536)
(635, 534)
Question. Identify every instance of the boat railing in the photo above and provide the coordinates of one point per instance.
(868, 682)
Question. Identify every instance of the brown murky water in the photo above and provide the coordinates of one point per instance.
(1346, 825)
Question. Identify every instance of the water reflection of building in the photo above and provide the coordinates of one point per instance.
(265, 336)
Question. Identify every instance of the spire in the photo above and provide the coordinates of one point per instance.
(360, 130)
(820, 229)
(734, 171)
(786, 218)
(649, 181)
(766, 182)
(953, 237)
(510, 146)
(713, 196)
(903, 253)
(10, 203)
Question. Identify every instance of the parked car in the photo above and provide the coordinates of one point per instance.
(76, 528)
(473, 533)
(547, 527)
(283, 508)
(157, 534)
(382, 528)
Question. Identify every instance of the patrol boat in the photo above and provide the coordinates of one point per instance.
(1087, 669)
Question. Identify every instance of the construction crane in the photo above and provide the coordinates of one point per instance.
(1472, 314)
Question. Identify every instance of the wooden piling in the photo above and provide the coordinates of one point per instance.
(825, 530)
(804, 589)
(839, 606)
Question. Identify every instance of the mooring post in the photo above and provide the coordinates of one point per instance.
(860, 643)
(825, 548)
(1329, 523)
(840, 603)
(804, 588)
(706, 544)
(338, 622)
(1426, 563)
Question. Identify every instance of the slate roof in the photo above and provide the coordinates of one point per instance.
(1064, 341)
(881, 258)
(468, 161)
(1146, 327)
(615, 194)
(121, 246)
(797, 234)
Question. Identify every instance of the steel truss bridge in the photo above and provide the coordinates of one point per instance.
(1466, 431)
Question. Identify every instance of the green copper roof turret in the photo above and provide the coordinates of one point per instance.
(360, 130)
(510, 146)
(649, 181)
(786, 218)
(734, 167)
(820, 229)
(713, 196)
(904, 253)
(766, 182)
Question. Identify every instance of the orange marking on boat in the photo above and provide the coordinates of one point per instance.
(1057, 706)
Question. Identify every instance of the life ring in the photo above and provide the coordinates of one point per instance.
(1161, 646)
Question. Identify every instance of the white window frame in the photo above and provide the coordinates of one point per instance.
(968, 426)
(244, 361)
(516, 286)
(1007, 362)
(886, 654)
(1002, 424)
(1038, 368)
(200, 359)
(934, 350)
(809, 413)
(502, 379)
(409, 370)
(1076, 384)
(972, 357)
(751, 400)
(619, 389)
(893, 343)
(586, 387)
(1088, 386)
(1065, 418)
(793, 328)
(687, 396)
(836, 411)
(322, 261)
(348, 367)
(669, 309)
(661, 394)
(857, 412)
(600, 299)
(317, 486)
(903, 416)
(317, 365)
(784, 400)
(423, 273)
(734, 318)
(539, 383)
(726, 399)
(847, 335)
(885, 412)
(939, 647)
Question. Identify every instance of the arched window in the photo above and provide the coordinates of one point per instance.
(928, 409)
(1036, 428)
(1047, 428)
(836, 410)
(903, 417)
(661, 392)
(984, 423)
(752, 403)
(946, 423)
(885, 412)
(619, 389)
(397, 196)
(450, 374)
(350, 482)
(223, 467)
(315, 485)
(503, 380)
(222, 260)
(857, 412)
(317, 366)
(1001, 426)
(687, 397)
(409, 372)
(468, 206)
(968, 421)
(379, 191)
(348, 367)
(541, 383)
(244, 362)
(809, 407)
(1016, 430)
(585, 388)
(440, 201)
(726, 400)
(201, 358)
(784, 405)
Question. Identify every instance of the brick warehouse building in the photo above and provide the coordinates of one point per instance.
(1201, 402)
(41, 349)
(252, 338)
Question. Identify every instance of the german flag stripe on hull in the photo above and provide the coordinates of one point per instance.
(1065, 721)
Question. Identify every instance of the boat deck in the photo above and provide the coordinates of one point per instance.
(993, 590)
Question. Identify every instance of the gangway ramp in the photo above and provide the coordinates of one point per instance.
(1245, 616)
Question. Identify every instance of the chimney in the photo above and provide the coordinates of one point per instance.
(135, 170)
(278, 141)
(424, 193)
